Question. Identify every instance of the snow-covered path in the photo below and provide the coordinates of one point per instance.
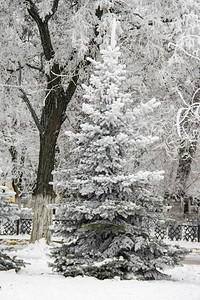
(37, 282)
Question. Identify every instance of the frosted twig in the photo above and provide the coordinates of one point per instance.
(181, 96)
(195, 94)
(181, 48)
(32, 111)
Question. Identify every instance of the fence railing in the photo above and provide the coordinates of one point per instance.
(24, 226)
(186, 232)
(21, 226)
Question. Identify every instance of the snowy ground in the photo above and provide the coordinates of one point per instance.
(37, 282)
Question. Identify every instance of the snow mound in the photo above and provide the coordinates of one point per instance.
(37, 257)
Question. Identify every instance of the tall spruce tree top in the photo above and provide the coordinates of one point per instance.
(112, 210)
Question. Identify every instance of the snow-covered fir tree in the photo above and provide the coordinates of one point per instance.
(8, 211)
(111, 210)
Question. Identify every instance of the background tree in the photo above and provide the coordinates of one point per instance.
(163, 43)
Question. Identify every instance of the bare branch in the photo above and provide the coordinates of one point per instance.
(35, 67)
(32, 111)
(20, 73)
(183, 50)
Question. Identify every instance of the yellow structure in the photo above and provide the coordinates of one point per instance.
(9, 185)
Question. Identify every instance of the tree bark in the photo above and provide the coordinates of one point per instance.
(42, 219)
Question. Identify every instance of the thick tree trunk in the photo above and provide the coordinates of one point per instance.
(52, 118)
(42, 219)
(44, 194)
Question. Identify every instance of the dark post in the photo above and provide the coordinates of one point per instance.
(198, 232)
(18, 221)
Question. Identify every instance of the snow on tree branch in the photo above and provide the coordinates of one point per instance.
(189, 115)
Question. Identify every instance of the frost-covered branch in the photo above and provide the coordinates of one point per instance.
(43, 28)
(182, 49)
(32, 111)
(188, 116)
